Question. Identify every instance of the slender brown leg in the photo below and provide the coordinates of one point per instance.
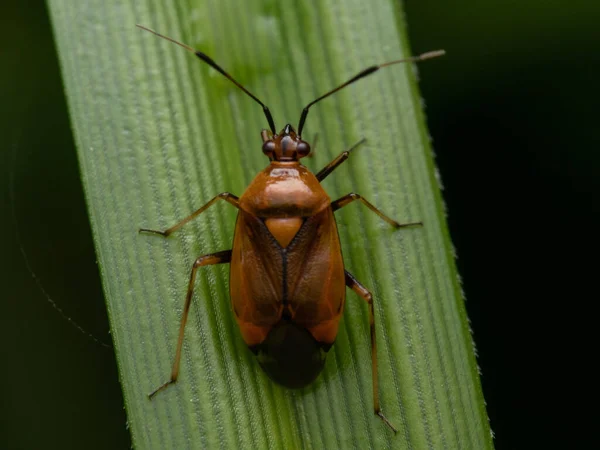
(229, 198)
(337, 161)
(347, 199)
(206, 260)
(363, 292)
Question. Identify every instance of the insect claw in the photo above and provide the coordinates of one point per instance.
(387, 422)
(146, 230)
(160, 388)
(412, 224)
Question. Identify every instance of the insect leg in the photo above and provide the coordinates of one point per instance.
(347, 199)
(363, 292)
(206, 260)
(337, 161)
(229, 198)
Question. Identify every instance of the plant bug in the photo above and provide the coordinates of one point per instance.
(287, 280)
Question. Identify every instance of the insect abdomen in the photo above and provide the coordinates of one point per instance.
(290, 355)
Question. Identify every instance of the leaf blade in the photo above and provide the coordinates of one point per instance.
(159, 134)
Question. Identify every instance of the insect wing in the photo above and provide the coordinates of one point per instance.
(315, 277)
(256, 278)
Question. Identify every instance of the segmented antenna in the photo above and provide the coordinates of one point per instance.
(208, 60)
(362, 74)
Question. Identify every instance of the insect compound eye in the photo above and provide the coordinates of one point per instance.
(303, 149)
(268, 148)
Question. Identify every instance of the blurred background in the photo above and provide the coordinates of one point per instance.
(512, 115)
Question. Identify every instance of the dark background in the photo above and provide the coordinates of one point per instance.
(512, 114)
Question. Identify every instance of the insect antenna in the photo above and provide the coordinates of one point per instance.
(208, 60)
(362, 74)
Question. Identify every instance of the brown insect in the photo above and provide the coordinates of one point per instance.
(287, 280)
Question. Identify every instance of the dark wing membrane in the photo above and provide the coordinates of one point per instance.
(256, 274)
(315, 276)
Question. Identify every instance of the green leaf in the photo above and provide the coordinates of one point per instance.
(159, 134)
